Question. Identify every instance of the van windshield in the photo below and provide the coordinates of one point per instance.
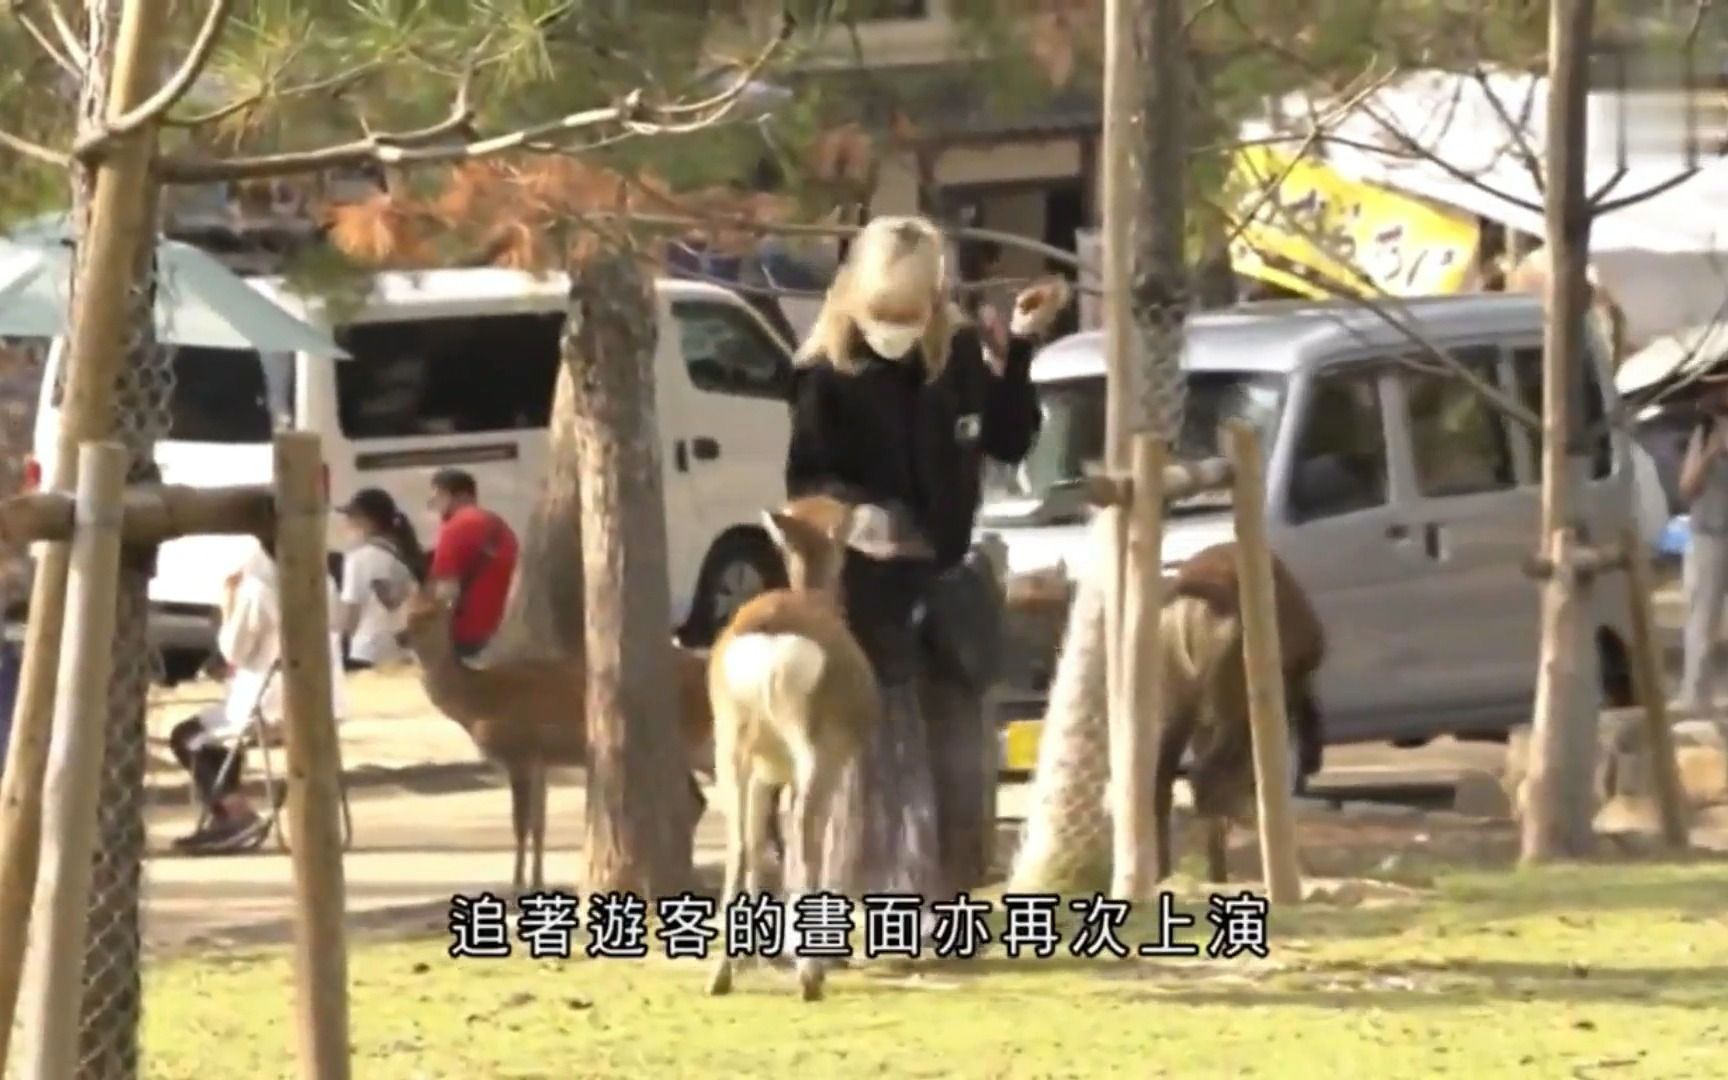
(1071, 439)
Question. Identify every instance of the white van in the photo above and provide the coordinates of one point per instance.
(1401, 501)
(456, 368)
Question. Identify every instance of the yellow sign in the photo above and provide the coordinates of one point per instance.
(1020, 745)
(1308, 227)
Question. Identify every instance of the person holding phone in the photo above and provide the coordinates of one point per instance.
(1704, 579)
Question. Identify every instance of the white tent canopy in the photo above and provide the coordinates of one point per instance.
(1454, 139)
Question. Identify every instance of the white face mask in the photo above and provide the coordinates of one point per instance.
(891, 341)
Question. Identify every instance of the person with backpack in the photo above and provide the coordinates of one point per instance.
(377, 577)
(472, 562)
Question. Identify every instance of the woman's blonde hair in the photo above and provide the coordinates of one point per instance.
(896, 264)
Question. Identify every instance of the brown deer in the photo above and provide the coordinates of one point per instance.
(526, 715)
(794, 698)
(1206, 693)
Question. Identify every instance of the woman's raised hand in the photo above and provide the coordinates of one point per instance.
(1037, 306)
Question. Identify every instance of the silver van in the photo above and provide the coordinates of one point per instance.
(1402, 501)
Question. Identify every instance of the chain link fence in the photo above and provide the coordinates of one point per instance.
(112, 988)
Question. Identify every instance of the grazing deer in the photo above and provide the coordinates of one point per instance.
(527, 715)
(794, 698)
(1206, 693)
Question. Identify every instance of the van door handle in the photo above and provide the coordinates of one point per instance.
(1398, 531)
(704, 448)
(680, 456)
(1431, 540)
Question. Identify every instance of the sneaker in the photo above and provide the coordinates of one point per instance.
(230, 834)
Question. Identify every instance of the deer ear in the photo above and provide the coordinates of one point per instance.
(776, 526)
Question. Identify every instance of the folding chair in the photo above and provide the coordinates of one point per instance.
(256, 736)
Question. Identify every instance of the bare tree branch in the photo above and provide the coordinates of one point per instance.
(43, 41)
(156, 105)
(70, 44)
(412, 147)
(35, 151)
(1515, 127)
(1597, 209)
(1382, 308)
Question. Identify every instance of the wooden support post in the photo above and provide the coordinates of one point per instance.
(1133, 744)
(118, 228)
(1647, 682)
(151, 514)
(1264, 666)
(314, 810)
(74, 766)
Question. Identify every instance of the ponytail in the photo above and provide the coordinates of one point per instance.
(408, 548)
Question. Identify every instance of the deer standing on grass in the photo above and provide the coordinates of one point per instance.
(794, 698)
(526, 715)
(1206, 694)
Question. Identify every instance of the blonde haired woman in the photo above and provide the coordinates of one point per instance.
(894, 409)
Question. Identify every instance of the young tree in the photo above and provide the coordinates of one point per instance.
(423, 83)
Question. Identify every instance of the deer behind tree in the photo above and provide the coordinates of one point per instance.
(1206, 693)
(527, 715)
(794, 698)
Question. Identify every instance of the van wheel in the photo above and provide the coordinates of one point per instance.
(740, 565)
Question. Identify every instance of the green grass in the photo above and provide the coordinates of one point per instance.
(1604, 970)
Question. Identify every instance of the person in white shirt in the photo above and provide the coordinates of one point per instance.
(380, 572)
(249, 641)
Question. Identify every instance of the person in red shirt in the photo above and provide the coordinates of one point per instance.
(473, 561)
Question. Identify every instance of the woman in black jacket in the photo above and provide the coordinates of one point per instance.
(894, 407)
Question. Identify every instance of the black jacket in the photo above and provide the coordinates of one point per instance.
(884, 434)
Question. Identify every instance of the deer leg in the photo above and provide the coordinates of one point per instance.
(538, 820)
(734, 780)
(1172, 739)
(814, 798)
(521, 801)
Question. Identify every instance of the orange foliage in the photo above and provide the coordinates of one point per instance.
(380, 229)
(516, 215)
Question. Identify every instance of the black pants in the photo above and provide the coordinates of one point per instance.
(203, 756)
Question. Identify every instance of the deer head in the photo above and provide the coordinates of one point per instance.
(811, 534)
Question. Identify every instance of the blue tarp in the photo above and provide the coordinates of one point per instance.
(1675, 536)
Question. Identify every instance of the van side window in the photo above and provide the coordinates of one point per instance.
(1527, 371)
(1340, 461)
(726, 352)
(1458, 441)
(467, 374)
(222, 396)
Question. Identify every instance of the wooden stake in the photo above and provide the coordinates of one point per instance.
(1647, 682)
(314, 798)
(151, 514)
(74, 767)
(1264, 665)
(119, 224)
(1133, 748)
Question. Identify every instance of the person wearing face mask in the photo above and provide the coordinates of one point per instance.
(895, 409)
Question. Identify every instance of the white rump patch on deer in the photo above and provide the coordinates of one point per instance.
(773, 671)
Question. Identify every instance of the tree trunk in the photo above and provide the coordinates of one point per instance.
(1065, 845)
(544, 617)
(637, 836)
(1560, 793)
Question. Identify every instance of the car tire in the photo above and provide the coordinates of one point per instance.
(740, 565)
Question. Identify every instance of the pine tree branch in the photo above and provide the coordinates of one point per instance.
(334, 84)
(94, 144)
(631, 114)
(35, 151)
